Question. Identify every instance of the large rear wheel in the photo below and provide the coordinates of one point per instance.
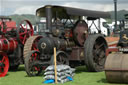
(24, 31)
(95, 52)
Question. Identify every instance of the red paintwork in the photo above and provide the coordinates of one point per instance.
(5, 61)
(27, 33)
(9, 26)
(112, 44)
(112, 49)
(9, 44)
(68, 33)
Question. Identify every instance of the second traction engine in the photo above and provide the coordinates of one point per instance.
(12, 40)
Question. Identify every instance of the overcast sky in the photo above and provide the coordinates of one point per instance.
(9, 7)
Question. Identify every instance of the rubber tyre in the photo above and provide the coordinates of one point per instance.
(88, 49)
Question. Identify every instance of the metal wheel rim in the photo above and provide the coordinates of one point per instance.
(62, 59)
(24, 33)
(4, 70)
(99, 55)
(34, 70)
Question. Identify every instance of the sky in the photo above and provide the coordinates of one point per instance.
(9, 7)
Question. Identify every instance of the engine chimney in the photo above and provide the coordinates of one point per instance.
(48, 10)
(115, 7)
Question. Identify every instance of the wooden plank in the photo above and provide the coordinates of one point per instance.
(55, 65)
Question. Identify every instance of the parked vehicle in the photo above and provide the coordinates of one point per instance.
(70, 34)
(12, 40)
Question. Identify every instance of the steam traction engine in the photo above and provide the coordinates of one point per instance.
(12, 40)
(66, 31)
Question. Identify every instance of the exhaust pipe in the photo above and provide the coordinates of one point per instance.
(48, 10)
(115, 7)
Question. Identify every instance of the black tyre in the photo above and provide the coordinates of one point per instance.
(95, 52)
(61, 58)
(32, 69)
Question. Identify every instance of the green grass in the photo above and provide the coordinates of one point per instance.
(82, 77)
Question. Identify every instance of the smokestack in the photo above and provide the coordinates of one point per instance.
(115, 7)
(48, 10)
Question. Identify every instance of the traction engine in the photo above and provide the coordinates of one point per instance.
(75, 45)
(12, 40)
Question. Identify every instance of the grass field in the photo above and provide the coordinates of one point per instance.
(82, 77)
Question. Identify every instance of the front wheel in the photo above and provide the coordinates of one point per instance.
(4, 64)
(95, 52)
(61, 58)
(32, 69)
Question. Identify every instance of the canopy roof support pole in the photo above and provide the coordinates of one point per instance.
(115, 7)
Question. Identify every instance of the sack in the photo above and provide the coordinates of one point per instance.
(63, 81)
(73, 70)
(70, 71)
(64, 73)
(49, 73)
(52, 73)
(53, 77)
(60, 68)
(50, 68)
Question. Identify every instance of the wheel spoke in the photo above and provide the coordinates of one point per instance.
(22, 27)
(24, 39)
(3, 60)
(21, 37)
(34, 70)
(35, 56)
(99, 55)
(23, 33)
(102, 58)
(34, 47)
(99, 46)
(62, 58)
(26, 26)
(25, 30)
(31, 30)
